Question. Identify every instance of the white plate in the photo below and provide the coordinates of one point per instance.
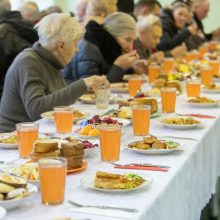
(14, 203)
(9, 169)
(155, 151)
(88, 181)
(211, 90)
(182, 127)
(92, 101)
(48, 116)
(7, 146)
(119, 88)
(203, 105)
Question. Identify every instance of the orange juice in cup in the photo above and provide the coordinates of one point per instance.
(168, 96)
(215, 67)
(63, 117)
(168, 64)
(189, 57)
(110, 138)
(27, 133)
(134, 84)
(203, 50)
(52, 179)
(153, 72)
(193, 88)
(141, 119)
(206, 76)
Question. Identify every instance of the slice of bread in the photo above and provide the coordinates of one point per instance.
(45, 145)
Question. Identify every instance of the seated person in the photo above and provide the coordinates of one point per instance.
(105, 49)
(146, 7)
(149, 33)
(200, 9)
(174, 23)
(97, 10)
(34, 84)
(15, 35)
(29, 10)
(149, 30)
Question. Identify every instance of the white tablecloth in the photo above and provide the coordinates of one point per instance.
(181, 193)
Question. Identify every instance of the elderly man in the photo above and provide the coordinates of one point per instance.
(149, 34)
(149, 30)
(15, 35)
(34, 83)
(200, 9)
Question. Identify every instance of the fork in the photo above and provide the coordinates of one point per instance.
(140, 164)
(102, 207)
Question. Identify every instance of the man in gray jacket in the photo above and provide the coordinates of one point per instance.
(34, 84)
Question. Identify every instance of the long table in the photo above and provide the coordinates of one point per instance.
(181, 193)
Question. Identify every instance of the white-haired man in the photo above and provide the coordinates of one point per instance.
(150, 30)
(34, 83)
(201, 9)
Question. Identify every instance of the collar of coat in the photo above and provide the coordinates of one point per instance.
(96, 34)
(47, 55)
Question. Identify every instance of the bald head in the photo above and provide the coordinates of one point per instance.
(201, 8)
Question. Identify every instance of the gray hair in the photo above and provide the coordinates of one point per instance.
(119, 23)
(147, 22)
(58, 26)
(5, 5)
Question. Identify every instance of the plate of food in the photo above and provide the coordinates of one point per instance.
(202, 101)
(212, 88)
(14, 191)
(28, 171)
(119, 87)
(116, 182)
(152, 145)
(8, 141)
(91, 99)
(181, 123)
(77, 115)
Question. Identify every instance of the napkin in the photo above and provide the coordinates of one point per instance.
(141, 168)
(103, 212)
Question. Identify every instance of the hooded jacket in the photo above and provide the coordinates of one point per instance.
(15, 35)
(172, 36)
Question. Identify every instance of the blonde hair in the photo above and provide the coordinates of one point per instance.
(147, 22)
(119, 23)
(58, 26)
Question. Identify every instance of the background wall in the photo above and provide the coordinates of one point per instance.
(211, 23)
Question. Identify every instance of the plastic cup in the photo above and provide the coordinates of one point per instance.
(52, 179)
(141, 119)
(63, 117)
(27, 133)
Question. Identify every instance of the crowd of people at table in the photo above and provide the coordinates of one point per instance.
(49, 58)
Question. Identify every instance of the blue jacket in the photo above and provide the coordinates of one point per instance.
(97, 52)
